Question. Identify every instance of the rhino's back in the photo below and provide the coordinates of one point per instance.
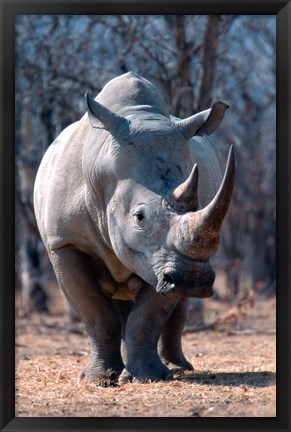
(59, 189)
(205, 153)
(129, 91)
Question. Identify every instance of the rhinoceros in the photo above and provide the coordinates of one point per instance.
(128, 227)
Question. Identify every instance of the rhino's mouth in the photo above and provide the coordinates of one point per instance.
(175, 285)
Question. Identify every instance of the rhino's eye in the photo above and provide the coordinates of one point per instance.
(139, 218)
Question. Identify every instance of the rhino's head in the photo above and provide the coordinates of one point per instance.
(156, 225)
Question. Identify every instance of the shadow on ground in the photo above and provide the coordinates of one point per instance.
(235, 379)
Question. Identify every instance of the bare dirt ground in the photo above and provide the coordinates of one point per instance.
(234, 360)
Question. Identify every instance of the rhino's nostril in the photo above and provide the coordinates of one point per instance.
(169, 280)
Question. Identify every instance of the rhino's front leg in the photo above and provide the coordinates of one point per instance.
(77, 274)
(144, 327)
(170, 348)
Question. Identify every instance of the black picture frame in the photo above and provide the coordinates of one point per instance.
(11, 8)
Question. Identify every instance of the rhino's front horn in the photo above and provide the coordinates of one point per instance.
(197, 234)
(204, 122)
(103, 118)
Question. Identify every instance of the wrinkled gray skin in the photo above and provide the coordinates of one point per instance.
(114, 228)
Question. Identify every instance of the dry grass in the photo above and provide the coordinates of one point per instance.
(234, 370)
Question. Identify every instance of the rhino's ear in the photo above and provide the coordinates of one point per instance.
(102, 117)
(205, 122)
(90, 102)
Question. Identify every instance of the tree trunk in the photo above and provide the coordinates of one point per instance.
(183, 98)
(209, 61)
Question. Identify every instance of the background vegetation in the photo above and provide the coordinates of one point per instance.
(194, 60)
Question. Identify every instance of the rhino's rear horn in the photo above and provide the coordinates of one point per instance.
(204, 122)
(103, 118)
(185, 196)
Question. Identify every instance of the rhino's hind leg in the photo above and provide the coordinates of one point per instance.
(123, 309)
(77, 275)
(143, 329)
(170, 348)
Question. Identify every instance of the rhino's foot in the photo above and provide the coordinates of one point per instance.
(93, 372)
(181, 363)
(134, 374)
(173, 356)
